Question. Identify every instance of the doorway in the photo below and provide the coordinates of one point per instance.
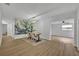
(4, 31)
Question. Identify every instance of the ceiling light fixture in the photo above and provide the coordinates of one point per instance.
(8, 4)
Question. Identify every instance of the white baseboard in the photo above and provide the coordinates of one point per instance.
(19, 36)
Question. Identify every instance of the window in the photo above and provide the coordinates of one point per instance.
(67, 27)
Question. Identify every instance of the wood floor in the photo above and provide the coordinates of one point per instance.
(58, 46)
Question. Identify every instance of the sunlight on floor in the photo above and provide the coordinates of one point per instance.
(65, 40)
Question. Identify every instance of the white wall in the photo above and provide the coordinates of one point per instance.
(0, 26)
(56, 29)
(4, 27)
(10, 29)
(44, 24)
(45, 28)
(60, 17)
(76, 33)
(47, 10)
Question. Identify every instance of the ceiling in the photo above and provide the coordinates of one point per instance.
(28, 10)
